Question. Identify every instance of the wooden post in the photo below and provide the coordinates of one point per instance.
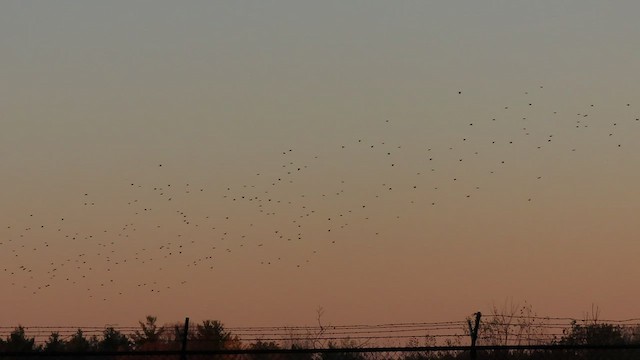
(473, 332)
(185, 335)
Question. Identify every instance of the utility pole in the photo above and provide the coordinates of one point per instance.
(473, 332)
(185, 335)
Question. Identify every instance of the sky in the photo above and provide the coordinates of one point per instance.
(253, 161)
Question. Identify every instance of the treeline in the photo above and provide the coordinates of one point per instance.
(516, 324)
(208, 335)
(212, 335)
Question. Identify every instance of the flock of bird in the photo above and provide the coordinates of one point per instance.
(136, 240)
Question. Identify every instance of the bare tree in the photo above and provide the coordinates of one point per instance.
(512, 324)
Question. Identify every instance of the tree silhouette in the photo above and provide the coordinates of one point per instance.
(173, 336)
(149, 336)
(54, 343)
(78, 343)
(512, 324)
(113, 340)
(211, 335)
(18, 341)
(594, 334)
(598, 334)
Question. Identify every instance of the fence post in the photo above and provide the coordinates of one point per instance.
(473, 332)
(185, 335)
